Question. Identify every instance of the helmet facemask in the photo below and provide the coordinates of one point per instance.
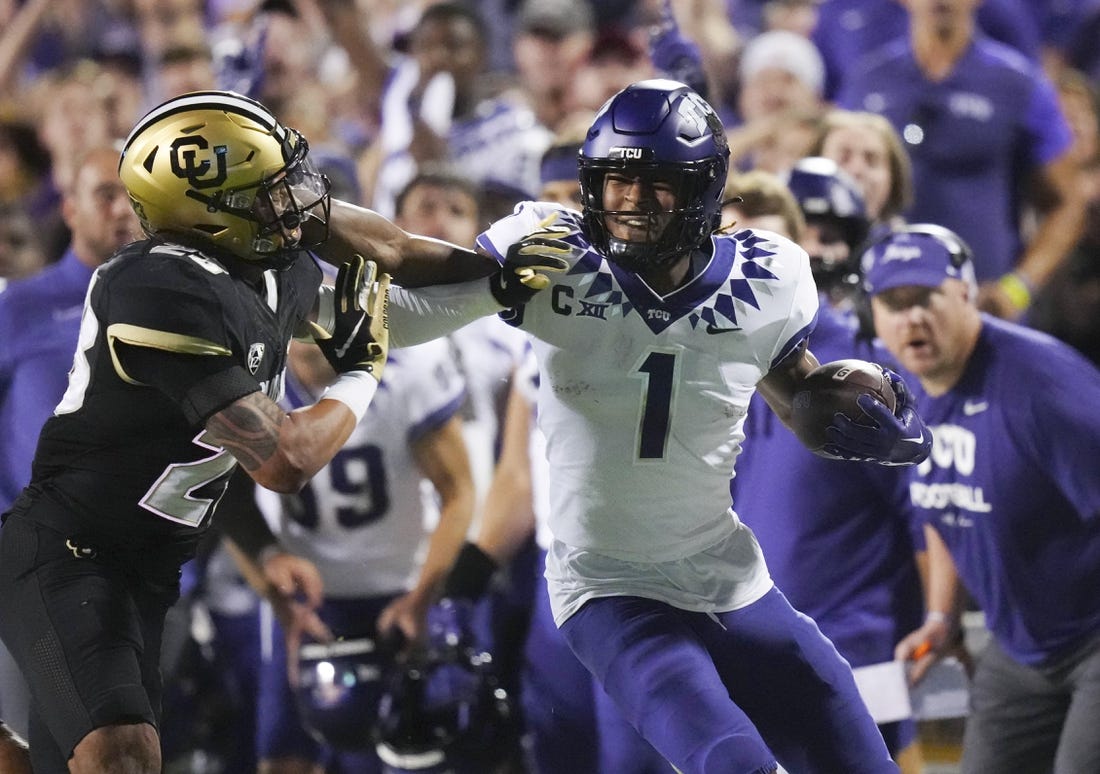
(279, 205)
(655, 131)
(218, 167)
(669, 232)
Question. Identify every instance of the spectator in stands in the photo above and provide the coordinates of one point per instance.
(848, 30)
(867, 147)
(20, 253)
(552, 40)
(781, 79)
(759, 199)
(615, 61)
(183, 68)
(1068, 306)
(976, 117)
(435, 109)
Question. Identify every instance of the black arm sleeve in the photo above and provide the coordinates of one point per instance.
(202, 385)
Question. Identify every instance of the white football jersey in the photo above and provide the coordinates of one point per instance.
(488, 351)
(361, 518)
(642, 399)
(527, 383)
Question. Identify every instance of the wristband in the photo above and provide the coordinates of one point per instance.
(471, 573)
(937, 616)
(1016, 288)
(354, 389)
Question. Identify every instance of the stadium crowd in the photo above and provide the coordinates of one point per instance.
(937, 160)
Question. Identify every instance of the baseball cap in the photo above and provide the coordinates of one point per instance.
(783, 50)
(921, 254)
(555, 18)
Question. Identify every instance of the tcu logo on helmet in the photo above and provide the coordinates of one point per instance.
(630, 154)
(185, 165)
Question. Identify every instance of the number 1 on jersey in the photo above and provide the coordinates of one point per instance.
(657, 370)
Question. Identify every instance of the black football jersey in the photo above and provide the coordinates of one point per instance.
(128, 461)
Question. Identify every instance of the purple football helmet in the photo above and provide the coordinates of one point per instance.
(656, 130)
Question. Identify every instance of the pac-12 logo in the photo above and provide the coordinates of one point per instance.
(255, 357)
(185, 163)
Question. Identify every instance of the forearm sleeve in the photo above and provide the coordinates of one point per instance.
(422, 314)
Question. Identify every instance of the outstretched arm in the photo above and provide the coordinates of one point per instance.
(412, 260)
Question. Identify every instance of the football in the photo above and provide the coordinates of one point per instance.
(833, 388)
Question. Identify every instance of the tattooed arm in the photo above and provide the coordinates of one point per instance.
(281, 451)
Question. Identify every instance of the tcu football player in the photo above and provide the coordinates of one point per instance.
(180, 361)
(652, 332)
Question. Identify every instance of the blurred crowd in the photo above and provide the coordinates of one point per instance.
(483, 104)
(385, 88)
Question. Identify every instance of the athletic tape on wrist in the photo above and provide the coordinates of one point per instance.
(355, 389)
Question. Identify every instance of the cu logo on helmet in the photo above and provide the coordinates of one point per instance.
(186, 164)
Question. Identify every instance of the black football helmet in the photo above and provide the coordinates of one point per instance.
(830, 199)
(339, 688)
(656, 129)
(444, 712)
(219, 167)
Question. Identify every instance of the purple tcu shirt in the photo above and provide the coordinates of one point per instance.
(970, 137)
(848, 29)
(1013, 486)
(39, 326)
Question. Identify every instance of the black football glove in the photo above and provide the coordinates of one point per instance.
(523, 272)
(897, 437)
(360, 335)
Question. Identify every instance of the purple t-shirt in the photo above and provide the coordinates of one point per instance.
(846, 30)
(834, 534)
(1013, 486)
(971, 138)
(39, 326)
